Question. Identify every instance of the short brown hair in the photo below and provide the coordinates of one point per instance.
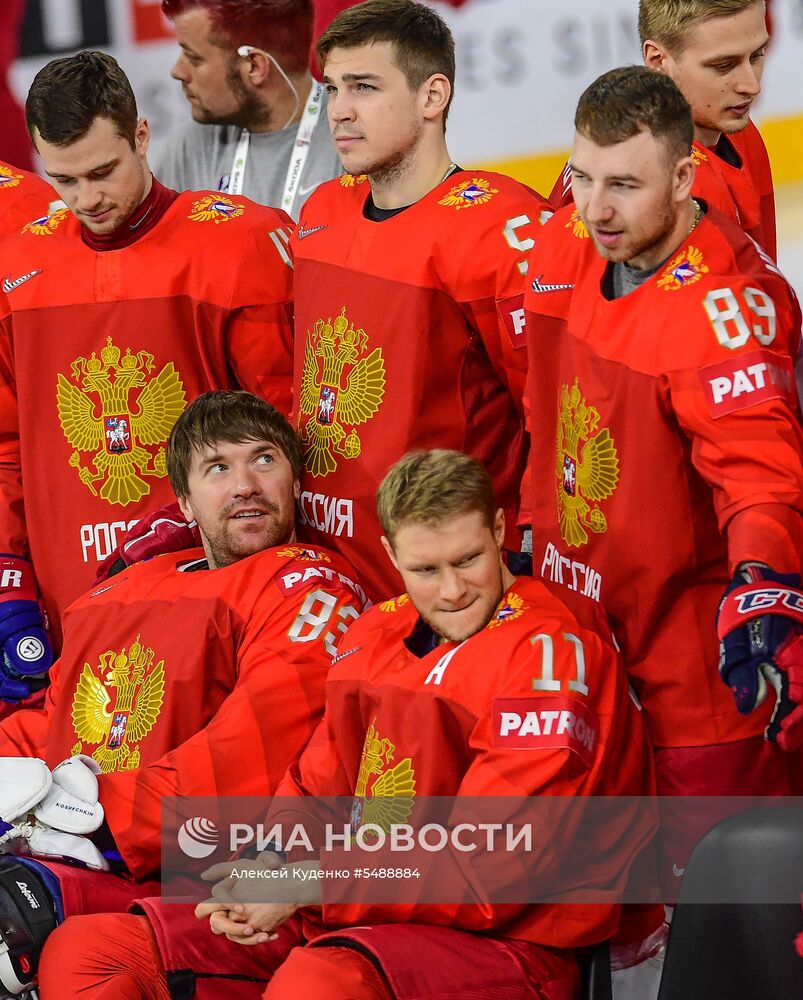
(422, 42)
(427, 487)
(231, 415)
(68, 94)
(670, 22)
(281, 27)
(632, 99)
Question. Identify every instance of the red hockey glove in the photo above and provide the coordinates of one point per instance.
(165, 530)
(760, 628)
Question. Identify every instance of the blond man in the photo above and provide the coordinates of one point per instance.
(715, 51)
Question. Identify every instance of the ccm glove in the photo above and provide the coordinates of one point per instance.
(24, 642)
(48, 814)
(165, 530)
(760, 629)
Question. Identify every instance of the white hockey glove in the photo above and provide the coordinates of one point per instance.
(51, 813)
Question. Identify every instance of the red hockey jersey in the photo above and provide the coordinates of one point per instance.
(23, 196)
(100, 352)
(182, 681)
(666, 449)
(473, 719)
(740, 185)
(409, 334)
(742, 188)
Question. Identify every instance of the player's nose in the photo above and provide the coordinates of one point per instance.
(90, 197)
(246, 482)
(749, 82)
(340, 107)
(597, 207)
(180, 70)
(452, 586)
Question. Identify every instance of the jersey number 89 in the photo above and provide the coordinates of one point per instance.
(728, 317)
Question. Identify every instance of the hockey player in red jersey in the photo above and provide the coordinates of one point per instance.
(429, 693)
(714, 50)
(196, 673)
(116, 310)
(667, 446)
(23, 196)
(409, 274)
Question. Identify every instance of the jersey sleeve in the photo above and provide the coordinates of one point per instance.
(13, 535)
(491, 287)
(259, 332)
(257, 732)
(25, 732)
(740, 414)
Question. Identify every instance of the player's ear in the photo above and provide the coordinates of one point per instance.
(185, 508)
(654, 55)
(296, 489)
(435, 93)
(685, 170)
(499, 527)
(389, 549)
(142, 137)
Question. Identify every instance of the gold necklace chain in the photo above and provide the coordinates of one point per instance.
(698, 214)
(449, 170)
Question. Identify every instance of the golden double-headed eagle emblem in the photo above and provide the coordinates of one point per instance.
(394, 604)
(510, 608)
(9, 178)
(577, 226)
(685, 268)
(384, 795)
(342, 387)
(100, 412)
(468, 194)
(587, 467)
(118, 721)
(47, 224)
(215, 208)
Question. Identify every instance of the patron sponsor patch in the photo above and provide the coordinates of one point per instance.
(544, 723)
(746, 380)
(512, 312)
(293, 582)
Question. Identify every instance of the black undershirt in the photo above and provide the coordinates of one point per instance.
(374, 214)
(726, 151)
(422, 640)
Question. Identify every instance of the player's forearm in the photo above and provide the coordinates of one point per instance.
(770, 533)
(24, 734)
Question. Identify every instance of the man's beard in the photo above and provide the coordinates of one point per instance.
(224, 550)
(390, 170)
(250, 113)
(488, 611)
(659, 232)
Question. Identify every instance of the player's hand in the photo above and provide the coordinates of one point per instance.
(228, 875)
(243, 922)
(164, 530)
(760, 628)
(251, 923)
(25, 652)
